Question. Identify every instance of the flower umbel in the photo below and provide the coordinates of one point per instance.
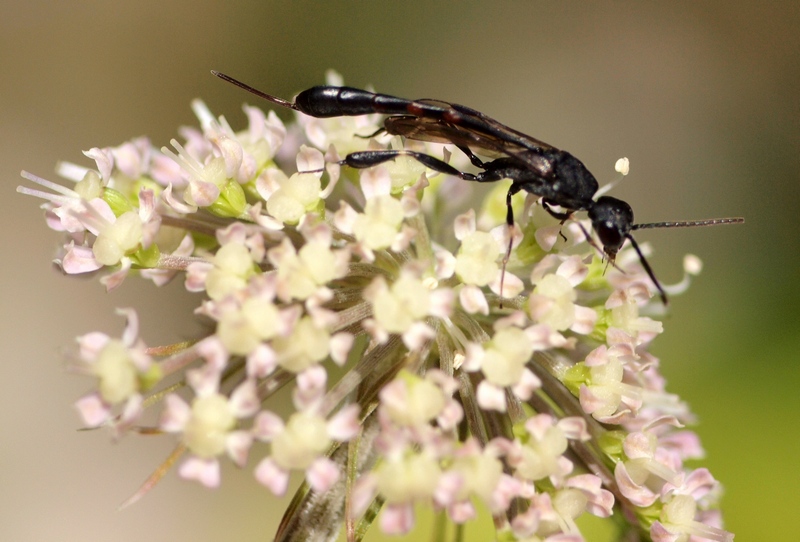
(542, 405)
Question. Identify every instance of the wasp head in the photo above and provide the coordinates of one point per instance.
(612, 219)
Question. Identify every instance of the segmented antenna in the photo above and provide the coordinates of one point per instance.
(689, 223)
(682, 224)
(274, 99)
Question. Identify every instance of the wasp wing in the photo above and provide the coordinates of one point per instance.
(537, 159)
(471, 119)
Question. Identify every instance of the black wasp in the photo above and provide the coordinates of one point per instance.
(560, 179)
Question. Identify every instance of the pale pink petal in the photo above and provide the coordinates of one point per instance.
(506, 490)
(104, 159)
(235, 232)
(272, 476)
(441, 301)
(544, 267)
(543, 337)
(450, 483)
(341, 343)
(212, 350)
(698, 484)
(637, 446)
(322, 474)
(196, 273)
(244, 401)
(472, 300)
(451, 415)
(527, 384)
(574, 428)
(131, 332)
(265, 221)
(378, 334)
(375, 182)
(175, 415)
(203, 193)
(204, 380)
(564, 467)
(237, 445)
(445, 264)
(417, 335)
(309, 159)
(345, 218)
(590, 401)
(247, 170)
(205, 471)
(334, 172)
(663, 421)
(526, 524)
(512, 285)
(601, 501)
(147, 205)
(461, 512)
(601, 505)
(659, 533)
(574, 270)
(130, 159)
(266, 425)
(547, 236)
(473, 357)
(501, 233)
(585, 320)
(311, 382)
(269, 182)
(99, 215)
(538, 425)
(230, 150)
(639, 495)
(403, 238)
(78, 259)
(491, 397)
(685, 442)
(514, 319)
(93, 410)
(344, 425)
(397, 519)
(448, 384)
(90, 345)
(261, 362)
(166, 171)
(464, 225)
(597, 357)
(275, 131)
(116, 278)
(615, 419)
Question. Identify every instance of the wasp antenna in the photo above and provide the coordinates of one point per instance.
(274, 99)
(648, 268)
(689, 223)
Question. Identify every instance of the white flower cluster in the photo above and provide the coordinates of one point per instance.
(528, 389)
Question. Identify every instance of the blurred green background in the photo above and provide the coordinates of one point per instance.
(703, 97)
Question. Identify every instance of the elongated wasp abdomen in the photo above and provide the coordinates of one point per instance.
(555, 175)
